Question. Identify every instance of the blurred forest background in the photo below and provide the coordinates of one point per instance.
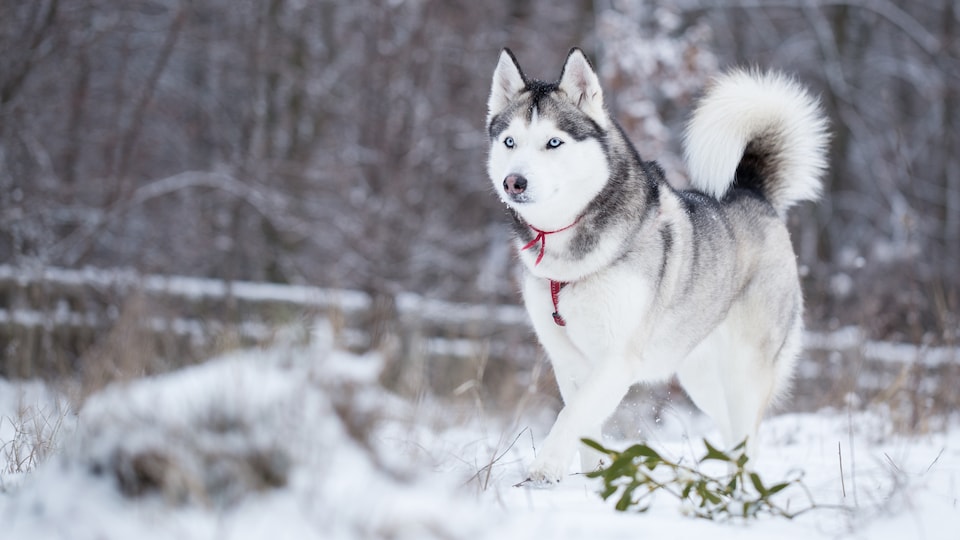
(342, 144)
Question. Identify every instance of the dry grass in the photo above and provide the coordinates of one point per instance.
(36, 432)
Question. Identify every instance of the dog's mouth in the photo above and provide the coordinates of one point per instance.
(519, 198)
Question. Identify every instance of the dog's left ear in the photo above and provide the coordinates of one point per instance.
(508, 81)
(582, 86)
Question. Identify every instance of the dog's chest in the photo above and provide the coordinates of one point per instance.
(601, 309)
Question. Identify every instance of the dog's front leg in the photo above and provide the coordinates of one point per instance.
(594, 402)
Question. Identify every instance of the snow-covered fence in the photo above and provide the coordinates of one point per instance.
(845, 366)
(51, 317)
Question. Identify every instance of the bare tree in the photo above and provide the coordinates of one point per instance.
(342, 143)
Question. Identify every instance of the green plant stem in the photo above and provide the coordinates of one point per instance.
(712, 497)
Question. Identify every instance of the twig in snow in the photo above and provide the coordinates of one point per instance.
(843, 485)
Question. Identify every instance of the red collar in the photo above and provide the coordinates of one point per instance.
(555, 286)
(541, 238)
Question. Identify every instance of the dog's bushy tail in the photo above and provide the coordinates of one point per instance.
(760, 131)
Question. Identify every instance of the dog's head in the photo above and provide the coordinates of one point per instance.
(547, 158)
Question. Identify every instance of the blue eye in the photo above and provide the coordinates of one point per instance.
(509, 142)
(554, 143)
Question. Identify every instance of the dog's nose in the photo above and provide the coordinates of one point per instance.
(514, 184)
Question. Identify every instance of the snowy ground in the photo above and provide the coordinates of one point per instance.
(301, 442)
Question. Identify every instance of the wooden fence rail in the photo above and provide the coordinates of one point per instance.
(53, 321)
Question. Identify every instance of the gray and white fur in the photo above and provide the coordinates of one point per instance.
(651, 281)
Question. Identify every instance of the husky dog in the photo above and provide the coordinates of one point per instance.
(628, 279)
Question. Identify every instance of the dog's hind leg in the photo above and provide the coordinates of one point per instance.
(757, 369)
(748, 378)
(700, 377)
(734, 394)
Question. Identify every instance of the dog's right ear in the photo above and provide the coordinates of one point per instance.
(508, 81)
(581, 85)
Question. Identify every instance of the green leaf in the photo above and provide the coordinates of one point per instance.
(597, 446)
(713, 453)
(705, 494)
(621, 466)
(755, 479)
(642, 450)
(732, 485)
(778, 488)
(627, 498)
(741, 446)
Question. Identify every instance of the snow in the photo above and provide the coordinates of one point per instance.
(301, 441)
(191, 287)
(881, 351)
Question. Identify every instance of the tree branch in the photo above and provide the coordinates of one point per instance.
(271, 206)
(913, 29)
